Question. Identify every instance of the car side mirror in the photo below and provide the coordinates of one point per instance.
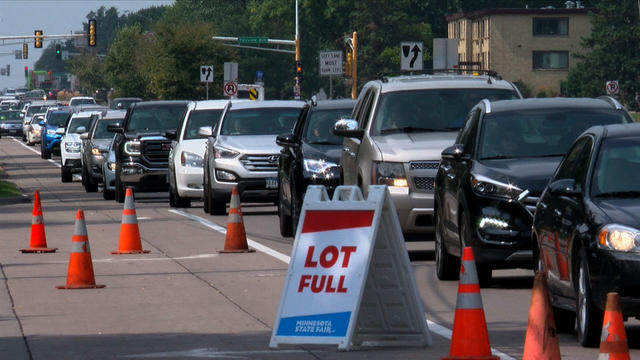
(81, 129)
(41, 123)
(171, 135)
(564, 187)
(286, 139)
(454, 152)
(115, 129)
(205, 131)
(84, 136)
(60, 131)
(347, 128)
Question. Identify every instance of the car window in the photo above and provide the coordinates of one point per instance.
(9, 115)
(565, 169)
(34, 109)
(259, 121)
(58, 119)
(365, 111)
(198, 119)
(582, 164)
(101, 132)
(159, 118)
(539, 133)
(617, 169)
(319, 127)
(77, 123)
(467, 134)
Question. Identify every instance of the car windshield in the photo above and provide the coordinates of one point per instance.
(101, 131)
(57, 118)
(539, 133)
(77, 123)
(617, 170)
(160, 118)
(123, 103)
(83, 101)
(34, 109)
(10, 115)
(319, 127)
(430, 110)
(199, 118)
(259, 121)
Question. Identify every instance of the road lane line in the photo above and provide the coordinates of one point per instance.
(436, 328)
(35, 151)
(213, 353)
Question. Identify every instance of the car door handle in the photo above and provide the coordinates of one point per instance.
(349, 152)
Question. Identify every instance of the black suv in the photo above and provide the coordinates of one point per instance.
(489, 181)
(309, 156)
(141, 147)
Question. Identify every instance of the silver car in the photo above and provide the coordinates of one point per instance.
(399, 127)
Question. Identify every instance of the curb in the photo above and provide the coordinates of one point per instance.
(11, 200)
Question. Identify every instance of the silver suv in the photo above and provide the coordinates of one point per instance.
(399, 127)
(241, 151)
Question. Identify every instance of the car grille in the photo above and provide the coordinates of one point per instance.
(424, 183)
(424, 165)
(156, 150)
(267, 162)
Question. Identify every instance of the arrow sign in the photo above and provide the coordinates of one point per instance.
(411, 56)
(206, 73)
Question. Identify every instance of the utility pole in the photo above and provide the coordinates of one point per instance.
(351, 68)
(296, 88)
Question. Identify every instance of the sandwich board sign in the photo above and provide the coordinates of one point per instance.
(349, 282)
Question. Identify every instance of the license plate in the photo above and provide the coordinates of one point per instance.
(13, 131)
(272, 183)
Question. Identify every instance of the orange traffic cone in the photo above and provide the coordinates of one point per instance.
(80, 273)
(541, 341)
(470, 338)
(613, 342)
(235, 240)
(38, 241)
(129, 233)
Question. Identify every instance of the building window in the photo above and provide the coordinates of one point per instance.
(551, 26)
(554, 60)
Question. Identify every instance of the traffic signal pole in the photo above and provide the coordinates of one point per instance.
(296, 88)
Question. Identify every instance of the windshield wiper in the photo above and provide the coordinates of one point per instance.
(620, 194)
(550, 155)
(321, 143)
(497, 157)
(409, 129)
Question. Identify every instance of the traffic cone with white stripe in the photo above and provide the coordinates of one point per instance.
(38, 241)
(613, 341)
(80, 272)
(130, 242)
(541, 341)
(470, 338)
(235, 241)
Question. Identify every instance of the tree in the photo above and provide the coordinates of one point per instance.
(121, 65)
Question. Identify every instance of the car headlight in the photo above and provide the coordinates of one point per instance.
(35, 130)
(51, 132)
(72, 146)
(132, 148)
(318, 166)
(389, 173)
(191, 159)
(619, 238)
(96, 152)
(112, 166)
(224, 153)
(485, 186)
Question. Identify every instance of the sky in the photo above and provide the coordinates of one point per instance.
(53, 17)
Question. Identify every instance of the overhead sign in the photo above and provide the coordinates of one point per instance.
(330, 63)
(230, 88)
(206, 73)
(231, 72)
(612, 87)
(411, 56)
(253, 40)
(342, 244)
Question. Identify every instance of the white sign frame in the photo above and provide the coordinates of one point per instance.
(411, 60)
(330, 63)
(612, 87)
(206, 73)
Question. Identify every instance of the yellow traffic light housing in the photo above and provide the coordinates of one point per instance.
(25, 51)
(347, 65)
(37, 39)
(91, 34)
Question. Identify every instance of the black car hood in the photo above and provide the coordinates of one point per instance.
(330, 153)
(531, 174)
(145, 134)
(620, 211)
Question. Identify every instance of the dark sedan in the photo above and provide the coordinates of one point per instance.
(310, 156)
(488, 183)
(10, 122)
(587, 229)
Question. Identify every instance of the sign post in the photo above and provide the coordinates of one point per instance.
(206, 76)
(330, 65)
(349, 281)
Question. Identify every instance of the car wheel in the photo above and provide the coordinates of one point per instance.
(296, 209)
(565, 320)
(536, 259)
(447, 265)
(107, 194)
(286, 228)
(206, 195)
(175, 200)
(65, 174)
(172, 198)
(89, 184)
(119, 191)
(218, 206)
(484, 271)
(43, 151)
(589, 317)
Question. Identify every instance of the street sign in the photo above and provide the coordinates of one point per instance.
(253, 94)
(445, 53)
(230, 72)
(330, 63)
(612, 87)
(253, 40)
(411, 56)
(206, 73)
(230, 88)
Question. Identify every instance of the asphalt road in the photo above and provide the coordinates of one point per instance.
(184, 300)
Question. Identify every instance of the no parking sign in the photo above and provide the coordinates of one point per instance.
(349, 281)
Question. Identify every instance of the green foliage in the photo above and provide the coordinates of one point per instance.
(524, 88)
(122, 64)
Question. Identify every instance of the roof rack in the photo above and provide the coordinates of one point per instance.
(383, 76)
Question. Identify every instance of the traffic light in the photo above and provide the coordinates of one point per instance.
(58, 52)
(91, 34)
(25, 51)
(38, 39)
(26, 71)
(299, 70)
(347, 65)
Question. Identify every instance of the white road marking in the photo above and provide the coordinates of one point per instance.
(213, 353)
(436, 328)
(35, 151)
(143, 218)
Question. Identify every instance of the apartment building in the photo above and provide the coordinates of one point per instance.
(535, 46)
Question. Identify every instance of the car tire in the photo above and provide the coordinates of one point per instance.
(205, 192)
(483, 271)
(65, 174)
(108, 194)
(89, 184)
(296, 209)
(588, 316)
(565, 320)
(119, 191)
(447, 265)
(218, 206)
(44, 153)
(175, 200)
(286, 228)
